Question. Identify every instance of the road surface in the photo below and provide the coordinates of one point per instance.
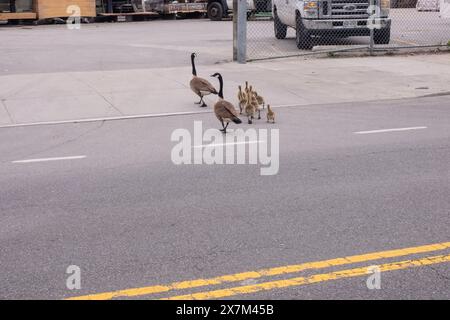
(353, 179)
(167, 43)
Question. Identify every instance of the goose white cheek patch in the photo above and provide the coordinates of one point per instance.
(238, 146)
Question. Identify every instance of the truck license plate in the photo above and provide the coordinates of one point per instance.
(350, 23)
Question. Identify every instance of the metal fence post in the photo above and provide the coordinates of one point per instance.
(372, 32)
(235, 50)
(241, 30)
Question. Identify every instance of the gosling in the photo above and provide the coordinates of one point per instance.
(242, 98)
(270, 114)
(260, 100)
(249, 111)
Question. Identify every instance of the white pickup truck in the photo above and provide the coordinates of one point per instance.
(340, 18)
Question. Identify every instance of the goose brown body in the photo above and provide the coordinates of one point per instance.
(225, 110)
(201, 87)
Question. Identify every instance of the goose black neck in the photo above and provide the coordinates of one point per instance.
(194, 71)
(221, 86)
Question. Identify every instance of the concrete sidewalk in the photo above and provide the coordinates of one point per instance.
(31, 98)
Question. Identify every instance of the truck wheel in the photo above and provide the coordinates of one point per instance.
(382, 36)
(302, 37)
(279, 27)
(215, 11)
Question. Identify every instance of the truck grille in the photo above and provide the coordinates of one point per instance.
(350, 9)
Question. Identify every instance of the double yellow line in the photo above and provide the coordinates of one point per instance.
(278, 271)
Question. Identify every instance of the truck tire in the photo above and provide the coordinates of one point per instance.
(215, 11)
(279, 28)
(382, 36)
(302, 37)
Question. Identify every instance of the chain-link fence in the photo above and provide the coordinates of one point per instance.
(297, 27)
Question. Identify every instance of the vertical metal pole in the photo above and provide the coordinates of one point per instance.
(372, 15)
(372, 41)
(235, 50)
(241, 31)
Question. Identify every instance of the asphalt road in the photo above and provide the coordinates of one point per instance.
(113, 46)
(166, 43)
(130, 218)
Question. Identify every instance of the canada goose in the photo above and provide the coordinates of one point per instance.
(240, 97)
(245, 91)
(270, 114)
(200, 86)
(249, 111)
(251, 99)
(248, 92)
(260, 99)
(223, 109)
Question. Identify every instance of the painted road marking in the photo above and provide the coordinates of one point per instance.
(299, 281)
(227, 144)
(49, 159)
(119, 118)
(389, 130)
(264, 272)
(115, 118)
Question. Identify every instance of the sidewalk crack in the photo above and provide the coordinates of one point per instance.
(101, 95)
(11, 118)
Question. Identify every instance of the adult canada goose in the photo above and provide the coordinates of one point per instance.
(270, 114)
(200, 86)
(223, 109)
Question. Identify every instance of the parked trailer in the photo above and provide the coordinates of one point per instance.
(17, 10)
(188, 7)
(44, 9)
(118, 10)
(139, 8)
